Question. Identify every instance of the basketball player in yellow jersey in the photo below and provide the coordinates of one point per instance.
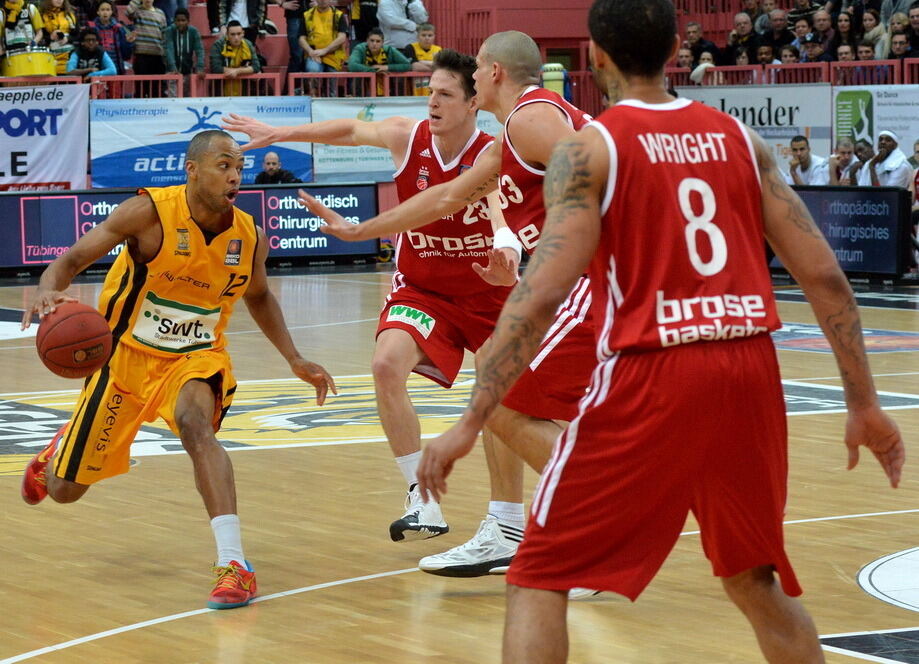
(189, 256)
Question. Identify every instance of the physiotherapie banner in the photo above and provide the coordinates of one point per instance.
(141, 142)
(860, 112)
(43, 137)
(777, 113)
(335, 163)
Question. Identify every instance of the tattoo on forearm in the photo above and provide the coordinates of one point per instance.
(844, 328)
(796, 213)
(483, 189)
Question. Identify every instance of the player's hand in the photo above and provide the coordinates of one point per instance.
(501, 269)
(45, 302)
(316, 376)
(876, 431)
(335, 224)
(259, 133)
(439, 456)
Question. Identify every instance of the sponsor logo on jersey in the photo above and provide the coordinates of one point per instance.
(182, 242)
(399, 313)
(175, 327)
(234, 249)
(425, 153)
(422, 181)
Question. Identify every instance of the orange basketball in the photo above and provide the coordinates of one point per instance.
(74, 341)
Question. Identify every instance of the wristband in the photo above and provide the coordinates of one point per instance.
(505, 239)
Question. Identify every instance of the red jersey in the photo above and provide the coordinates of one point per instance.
(520, 185)
(438, 257)
(680, 257)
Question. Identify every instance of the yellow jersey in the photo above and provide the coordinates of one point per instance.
(420, 55)
(181, 300)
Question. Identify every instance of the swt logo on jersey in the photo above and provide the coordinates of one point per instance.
(418, 319)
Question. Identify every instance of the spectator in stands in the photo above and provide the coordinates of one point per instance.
(696, 43)
(806, 168)
(421, 54)
(899, 24)
(741, 35)
(59, 21)
(779, 34)
(802, 28)
(684, 58)
(844, 53)
(841, 161)
(741, 56)
(89, 59)
(804, 9)
(149, 26)
(399, 21)
(864, 51)
(766, 56)
(752, 9)
(864, 151)
(823, 28)
(21, 25)
(873, 31)
(844, 34)
(891, 7)
(234, 56)
(114, 39)
(184, 50)
(323, 38)
(272, 173)
(363, 18)
(293, 19)
(763, 23)
(899, 47)
(847, 76)
(914, 160)
(913, 31)
(813, 46)
(706, 61)
(252, 15)
(372, 55)
(789, 55)
(889, 167)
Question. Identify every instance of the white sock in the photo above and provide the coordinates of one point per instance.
(229, 539)
(408, 464)
(509, 514)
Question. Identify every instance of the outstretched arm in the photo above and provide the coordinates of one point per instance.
(265, 310)
(572, 190)
(805, 253)
(504, 256)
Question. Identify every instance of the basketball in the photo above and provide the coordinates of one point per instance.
(74, 341)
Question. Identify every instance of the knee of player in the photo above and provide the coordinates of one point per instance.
(65, 493)
(386, 372)
(195, 430)
(749, 584)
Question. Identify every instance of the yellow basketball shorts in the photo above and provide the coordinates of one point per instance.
(133, 388)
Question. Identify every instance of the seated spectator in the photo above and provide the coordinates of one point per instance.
(272, 173)
(823, 28)
(864, 51)
(323, 38)
(234, 56)
(913, 31)
(899, 23)
(789, 55)
(899, 47)
(891, 7)
(873, 31)
(763, 23)
(752, 9)
(697, 44)
(841, 161)
(89, 59)
(684, 58)
(889, 167)
(813, 46)
(766, 56)
(844, 53)
(845, 34)
(21, 25)
(706, 61)
(399, 21)
(806, 168)
(184, 50)
(741, 56)
(741, 35)
(804, 9)
(914, 160)
(372, 55)
(421, 54)
(114, 39)
(864, 151)
(779, 34)
(149, 26)
(802, 28)
(58, 21)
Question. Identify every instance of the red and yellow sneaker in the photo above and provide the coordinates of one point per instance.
(34, 485)
(235, 586)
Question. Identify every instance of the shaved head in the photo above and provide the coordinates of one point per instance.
(517, 53)
(201, 143)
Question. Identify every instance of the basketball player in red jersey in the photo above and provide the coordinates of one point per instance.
(686, 363)
(534, 119)
(438, 306)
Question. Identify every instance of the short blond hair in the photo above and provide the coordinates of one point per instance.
(517, 53)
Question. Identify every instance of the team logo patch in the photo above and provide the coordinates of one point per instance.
(234, 249)
(422, 181)
(182, 242)
(399, 313)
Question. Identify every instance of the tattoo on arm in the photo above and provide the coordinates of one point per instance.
(773, 182)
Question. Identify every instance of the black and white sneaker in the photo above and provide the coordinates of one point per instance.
(490, 551)
(422, 520)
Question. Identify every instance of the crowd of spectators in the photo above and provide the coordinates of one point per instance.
(85, 38)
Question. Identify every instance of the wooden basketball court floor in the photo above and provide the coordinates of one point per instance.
(122, 575)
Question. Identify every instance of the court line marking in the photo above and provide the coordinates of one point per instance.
(859, 655)
(330, 584)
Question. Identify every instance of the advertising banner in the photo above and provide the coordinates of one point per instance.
(335, 163)
(777, 113)
(44, 133)
(860, 112)
(141, 142)
(40, 227)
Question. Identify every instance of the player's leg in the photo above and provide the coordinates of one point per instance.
(530, 438)
(784, 629)
(535, 627)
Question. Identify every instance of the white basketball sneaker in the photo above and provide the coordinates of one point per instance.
(490, 551)
(422, 520)
(582, 593)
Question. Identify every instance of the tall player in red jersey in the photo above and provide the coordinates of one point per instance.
(438, 306)
(667, 201)
(535, 119)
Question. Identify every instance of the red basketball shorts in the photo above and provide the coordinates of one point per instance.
(699, 427)
(443, 326)
(551, 387)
